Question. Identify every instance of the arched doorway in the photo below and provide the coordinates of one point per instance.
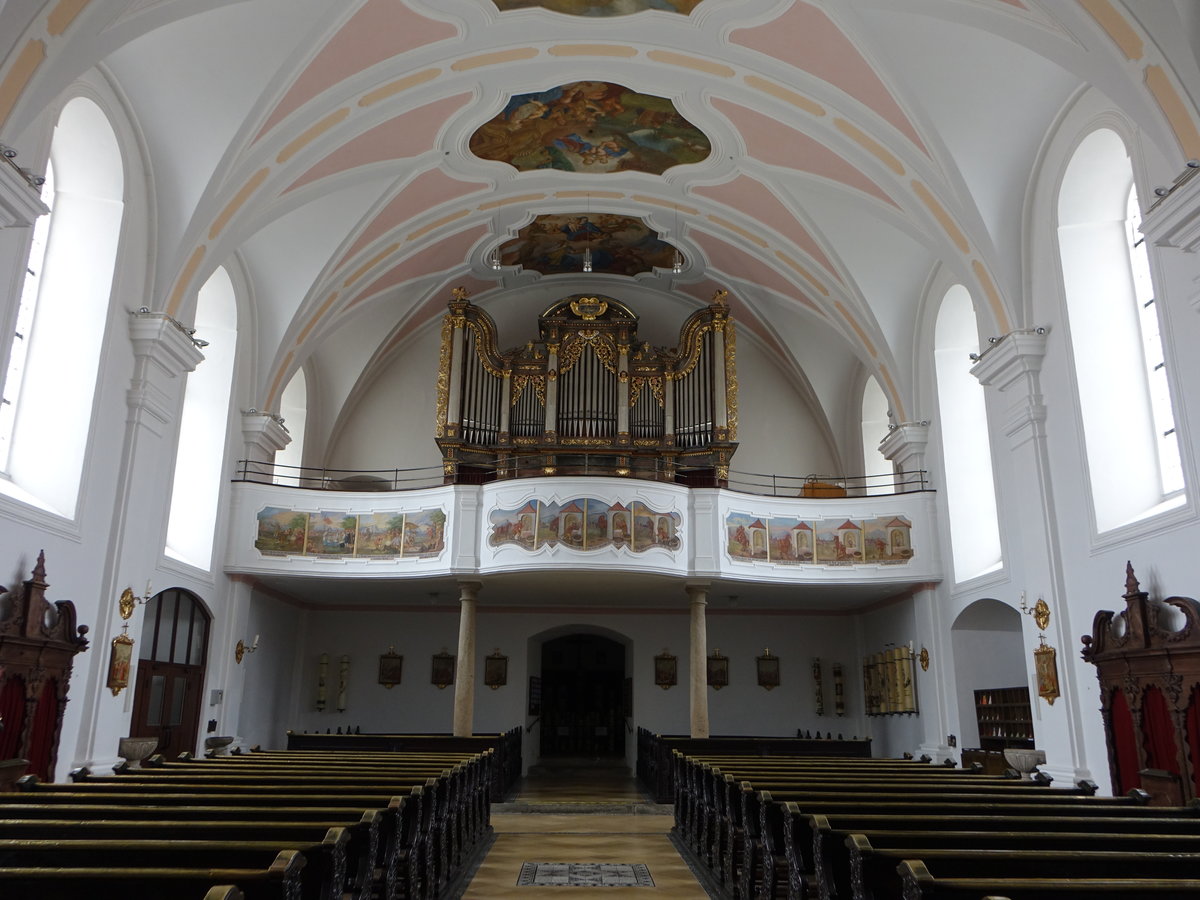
(170, 672)
(583, 696)
(989, 657)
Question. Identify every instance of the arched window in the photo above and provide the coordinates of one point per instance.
(876, 466)
(64, 306)
(294, 408)
(1120, 373)
(204, 420)
(966, 447)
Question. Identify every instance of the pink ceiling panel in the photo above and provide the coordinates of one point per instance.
(750, 196)
(405, 136)
(439, 256)
(776, 144)
(380, 30)
(424, 192)
(731, 259)
(808, 39)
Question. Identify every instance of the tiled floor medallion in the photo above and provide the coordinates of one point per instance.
(543, 874)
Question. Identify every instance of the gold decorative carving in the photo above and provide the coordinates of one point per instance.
(731, 383)
(720, 298)
(458, 321)
(646, 442)
(586, 442)
(127, 603)
(552, 375)
(460, 293)
(923, 658)
(656, 388)
(443, 378)
(589, 308)
(623, 376)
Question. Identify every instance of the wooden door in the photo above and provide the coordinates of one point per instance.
(170, 672)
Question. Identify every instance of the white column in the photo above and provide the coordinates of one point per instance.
(163, 355)
(464, 675)
(1011, 371)
(905, 447)
(698, 593)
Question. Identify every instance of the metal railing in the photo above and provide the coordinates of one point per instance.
(814, 487)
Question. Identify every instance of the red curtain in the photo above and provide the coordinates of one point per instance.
(41, 735)
(1123, 743)
(1158, 732)
(12, 712)
(1193, 737)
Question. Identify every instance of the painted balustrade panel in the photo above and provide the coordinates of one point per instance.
(593, 523)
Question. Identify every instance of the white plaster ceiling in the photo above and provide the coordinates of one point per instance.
(858, 146)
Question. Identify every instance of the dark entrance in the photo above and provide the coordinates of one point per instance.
(170, 673)
(583, 678)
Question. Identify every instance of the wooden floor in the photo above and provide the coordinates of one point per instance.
(582, 815)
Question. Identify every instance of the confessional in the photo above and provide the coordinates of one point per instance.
(1150, 693)
(38, 643)
(586, 396)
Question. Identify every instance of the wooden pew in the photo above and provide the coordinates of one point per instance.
(406, 858)
(280, 880)
(918, 883)
(873, 873)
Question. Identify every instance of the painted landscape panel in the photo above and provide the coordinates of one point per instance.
(593, 127)
(585, 523)
(600, 8)
(787, 540)
(332, 534)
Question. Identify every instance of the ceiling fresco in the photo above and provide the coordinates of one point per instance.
(593, 127)
(620, 245)
(600, 7)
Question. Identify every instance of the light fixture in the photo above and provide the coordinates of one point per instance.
(587, 257)
(587, 250)
(677, 259)
(494, 259)
(241, 649)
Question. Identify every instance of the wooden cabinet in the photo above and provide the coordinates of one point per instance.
(38, 643)
(1004, 717)
(1147, 659)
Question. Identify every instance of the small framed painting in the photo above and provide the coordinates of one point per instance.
(768, 670)
(391, 667)
(665, 670)
(443, 669)
(119, 663)
(495, 670)
(718, 671)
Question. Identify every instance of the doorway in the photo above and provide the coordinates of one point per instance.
(583, 697)
(170, 672)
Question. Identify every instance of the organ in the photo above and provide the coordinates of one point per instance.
(586, 396)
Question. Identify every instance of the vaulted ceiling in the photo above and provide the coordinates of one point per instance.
(847, 150)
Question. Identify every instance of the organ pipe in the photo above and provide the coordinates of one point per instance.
(587, 387)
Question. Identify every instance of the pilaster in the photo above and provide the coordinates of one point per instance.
(20, 199)
(905, 446)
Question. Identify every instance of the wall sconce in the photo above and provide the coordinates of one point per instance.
(1040, 612)
(241, 649)
(128, 602)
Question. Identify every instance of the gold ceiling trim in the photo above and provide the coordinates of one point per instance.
(593, 50)
(868, 143)
(398, 87)
(779, 92)
(435, 225)
(239, 200)
(944, 218)
(63, 15)
(738, 229)
(494, 59)
(989, 288)
(19, 76)
(682, 60)
(370, 264)
(803, 272)
(311, 133)
(185, 278)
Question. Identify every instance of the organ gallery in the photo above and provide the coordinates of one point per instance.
(586, 396)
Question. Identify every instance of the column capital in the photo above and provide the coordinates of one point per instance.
(1174, 220)
(20, 200)
(1015, 356)
(698, 590)
(263, 434)
(905, 439)
(164, 341)
(469, 590)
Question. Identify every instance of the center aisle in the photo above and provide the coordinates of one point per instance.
(584, 825)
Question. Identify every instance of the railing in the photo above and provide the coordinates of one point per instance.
(813, 487)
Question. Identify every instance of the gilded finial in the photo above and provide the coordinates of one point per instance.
(719, 297)
(460, 293)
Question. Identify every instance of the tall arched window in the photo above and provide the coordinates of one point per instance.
(293, 406)
(64, 307)
(200, 455)
(966, 445)
(1121, 375)
(876, 466)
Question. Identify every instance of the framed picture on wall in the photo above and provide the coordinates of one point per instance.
(1046, 666)
(768, 670)
(119, 663)
(718, 671)
(665, 670)
(391, 667)
(442, 673)
(495, 670)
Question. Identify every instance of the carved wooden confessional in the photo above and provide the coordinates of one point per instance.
(38, 643)
(586, 397)
(1150, 694)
